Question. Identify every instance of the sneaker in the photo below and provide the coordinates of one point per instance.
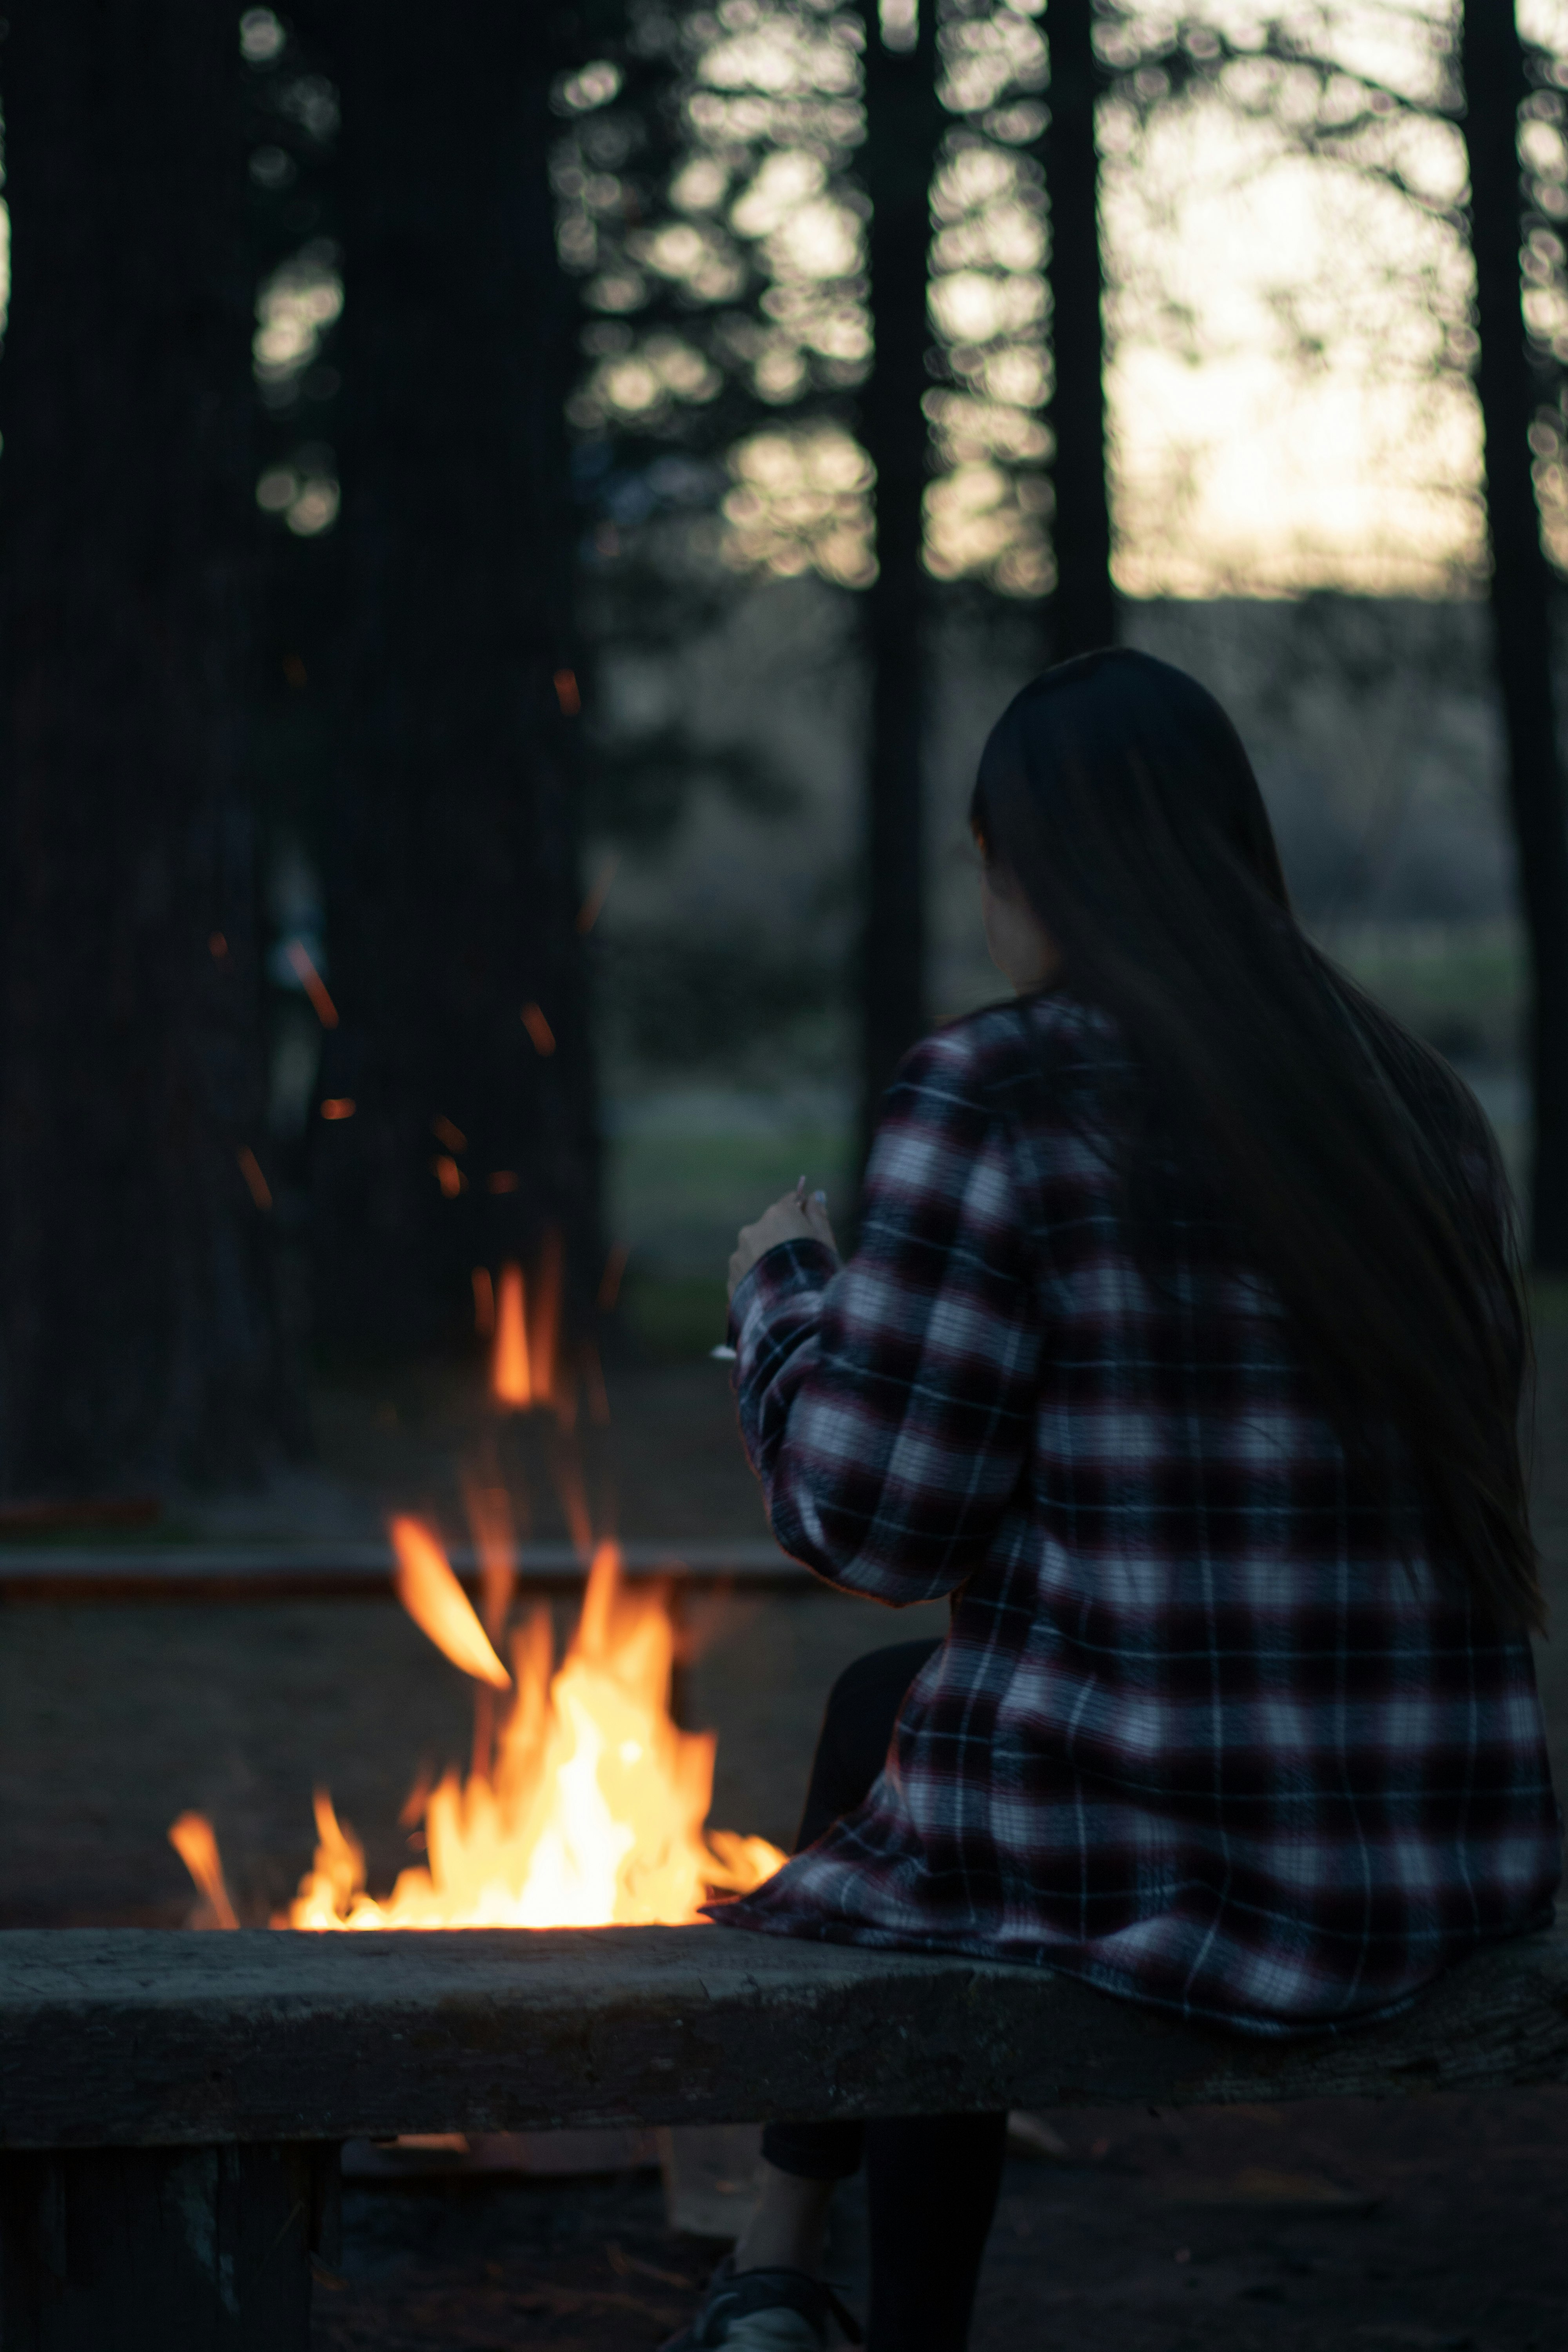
(764, 2311)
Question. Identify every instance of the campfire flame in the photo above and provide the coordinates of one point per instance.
(489, 1516)
(433, 1597)
(593, 1813)
(192, 1839)
(544, 1324)
(509, 1378)
(585, 1805)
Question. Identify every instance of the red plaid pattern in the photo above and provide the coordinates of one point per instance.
(1202, 1731)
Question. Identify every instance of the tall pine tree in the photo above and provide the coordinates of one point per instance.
(1523, 589)
(451, 882)
(904, 126)
(138, 1342)
(1083, 607)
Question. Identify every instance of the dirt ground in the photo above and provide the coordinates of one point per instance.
(1428, 2226)
(1421, 2226)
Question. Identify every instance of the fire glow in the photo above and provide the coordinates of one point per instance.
(592, 1812)
(512, 1382)
(586, 1804)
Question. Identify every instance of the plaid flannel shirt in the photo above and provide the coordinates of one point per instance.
(1202, 1731)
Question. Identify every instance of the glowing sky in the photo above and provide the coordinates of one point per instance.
(1304, 419)
(1282, 413)
(1289, 399)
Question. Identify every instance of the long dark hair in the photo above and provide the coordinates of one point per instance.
(1117, 795)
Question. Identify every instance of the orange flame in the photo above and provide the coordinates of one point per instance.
(546, 1326)
(572, 1497)
(594, 1814)
(311, 980)
(193, 1840)
(489, 1517)
(484, 1303)
(509, 1381)
(433, 1597)
(539, 1029)
(250, 1169)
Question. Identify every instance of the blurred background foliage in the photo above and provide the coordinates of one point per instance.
(1282, 240)
(1294, 482)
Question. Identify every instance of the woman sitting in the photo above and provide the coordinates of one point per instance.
(1181, 1351)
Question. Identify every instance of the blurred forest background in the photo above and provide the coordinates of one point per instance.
(515, 526)
(516, 517)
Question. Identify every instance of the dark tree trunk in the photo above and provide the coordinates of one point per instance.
(452, 886)
(1083, 606)
(138, 1343)
(904, 124)
(1523, 591)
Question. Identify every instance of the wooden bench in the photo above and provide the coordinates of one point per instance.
(172, 2106)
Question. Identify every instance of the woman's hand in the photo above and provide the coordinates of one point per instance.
(796, 1218)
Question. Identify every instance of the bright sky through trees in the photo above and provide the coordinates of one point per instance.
(1281, 413)
(1289, 402)
(1289, 397)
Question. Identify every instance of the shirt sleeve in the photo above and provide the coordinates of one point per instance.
(886, 1404)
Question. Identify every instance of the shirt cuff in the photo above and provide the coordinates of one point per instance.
(781, 1273)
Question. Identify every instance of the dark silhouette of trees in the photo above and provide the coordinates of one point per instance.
(451, 874)
(138, 1342)
(694, 277)
(1523, 588)
(1083, 606)
(904, 125)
